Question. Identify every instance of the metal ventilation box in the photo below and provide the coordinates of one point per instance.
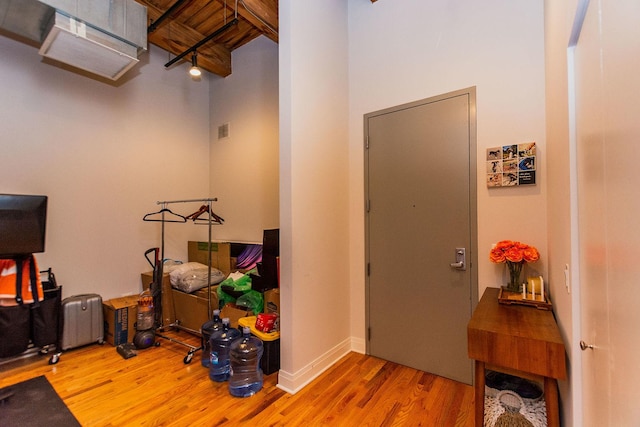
(104, 37)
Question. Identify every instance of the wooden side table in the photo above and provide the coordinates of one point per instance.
(516, 340)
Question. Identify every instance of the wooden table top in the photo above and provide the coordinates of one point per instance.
(516, 337)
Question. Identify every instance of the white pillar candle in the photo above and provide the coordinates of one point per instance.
(542, 289)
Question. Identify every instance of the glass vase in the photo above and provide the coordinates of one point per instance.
(515, 269)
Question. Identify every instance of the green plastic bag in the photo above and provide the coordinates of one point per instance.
(252, 300)
(223, 297)
(243, 284)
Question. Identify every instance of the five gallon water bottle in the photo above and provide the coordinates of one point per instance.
(220, 342)
(208, 328)
(246, 376)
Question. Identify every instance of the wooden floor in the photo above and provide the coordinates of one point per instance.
(156, 388)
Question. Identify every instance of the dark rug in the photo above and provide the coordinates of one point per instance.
(34, 403)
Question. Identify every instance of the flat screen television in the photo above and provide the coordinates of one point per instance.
(23, 220)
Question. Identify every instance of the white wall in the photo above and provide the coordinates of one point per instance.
(558, 23)
(406, 50)
(618, 34)
(606, 134)
(244, 167)
(314, 188)
(104, 154)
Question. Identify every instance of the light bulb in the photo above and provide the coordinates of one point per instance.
(195, 71)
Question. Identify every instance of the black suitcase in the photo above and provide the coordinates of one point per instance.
(82, 321)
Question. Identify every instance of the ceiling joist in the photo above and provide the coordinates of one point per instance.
(156, 23)
(178, 25)
(262, 14)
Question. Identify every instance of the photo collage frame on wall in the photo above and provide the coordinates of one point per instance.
(511, 165)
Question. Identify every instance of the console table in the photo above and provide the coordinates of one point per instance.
(517, 340)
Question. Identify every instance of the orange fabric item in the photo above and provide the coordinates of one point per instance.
(8, 271)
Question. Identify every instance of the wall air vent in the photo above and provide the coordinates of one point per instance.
(223, 131)
(73, 42)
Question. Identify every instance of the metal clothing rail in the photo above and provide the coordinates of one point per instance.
(215, 199)
(208, 201)
(192, 349)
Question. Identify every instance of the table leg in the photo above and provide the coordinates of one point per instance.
(479, 393)
(551, 401)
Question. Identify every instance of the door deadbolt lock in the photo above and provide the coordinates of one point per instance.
(461, 259)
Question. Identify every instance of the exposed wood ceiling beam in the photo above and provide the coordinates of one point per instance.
(178, 25)
(167, 13)
(262, 14)
(176, 38)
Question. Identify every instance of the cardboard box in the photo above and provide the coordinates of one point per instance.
(120, 319)
(234, 313)
(272, 301)
(192, 310)
(168, 314)
(220, 255)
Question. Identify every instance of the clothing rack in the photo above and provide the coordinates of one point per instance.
(212, 219)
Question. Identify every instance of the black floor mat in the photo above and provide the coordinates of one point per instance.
(34, 403)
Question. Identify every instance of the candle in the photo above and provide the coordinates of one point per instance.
(542, 289)
(524, 291)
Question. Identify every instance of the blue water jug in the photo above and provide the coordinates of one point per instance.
(246, 376)
(208, 328)
(220, 342)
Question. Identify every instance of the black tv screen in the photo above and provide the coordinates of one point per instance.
(23, 220)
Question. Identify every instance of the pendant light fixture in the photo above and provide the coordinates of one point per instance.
(194, 71)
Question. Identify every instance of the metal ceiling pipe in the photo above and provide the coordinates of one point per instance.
(193, 48)
(154, 25)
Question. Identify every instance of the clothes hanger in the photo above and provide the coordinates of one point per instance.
(205, 209)
(196, 214)
(214, 218)
(163, 212)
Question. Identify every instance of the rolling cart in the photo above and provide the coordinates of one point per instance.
(163, 216)
(33, 328)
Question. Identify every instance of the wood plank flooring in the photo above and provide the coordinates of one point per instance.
(156, 388)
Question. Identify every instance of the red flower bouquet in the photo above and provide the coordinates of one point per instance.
(515, 255)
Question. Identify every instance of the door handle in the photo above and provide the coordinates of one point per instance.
(461, 259)
(584, 346)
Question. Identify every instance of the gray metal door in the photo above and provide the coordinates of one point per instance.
(421, 213)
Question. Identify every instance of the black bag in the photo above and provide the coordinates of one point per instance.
(14, 330)
(45, 319)
(15, 321)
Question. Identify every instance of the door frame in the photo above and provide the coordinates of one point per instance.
(472, 254)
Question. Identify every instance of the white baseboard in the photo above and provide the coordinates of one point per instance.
(359, 345)
(294, 382)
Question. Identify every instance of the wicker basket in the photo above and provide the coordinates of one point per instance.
(507, 408)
